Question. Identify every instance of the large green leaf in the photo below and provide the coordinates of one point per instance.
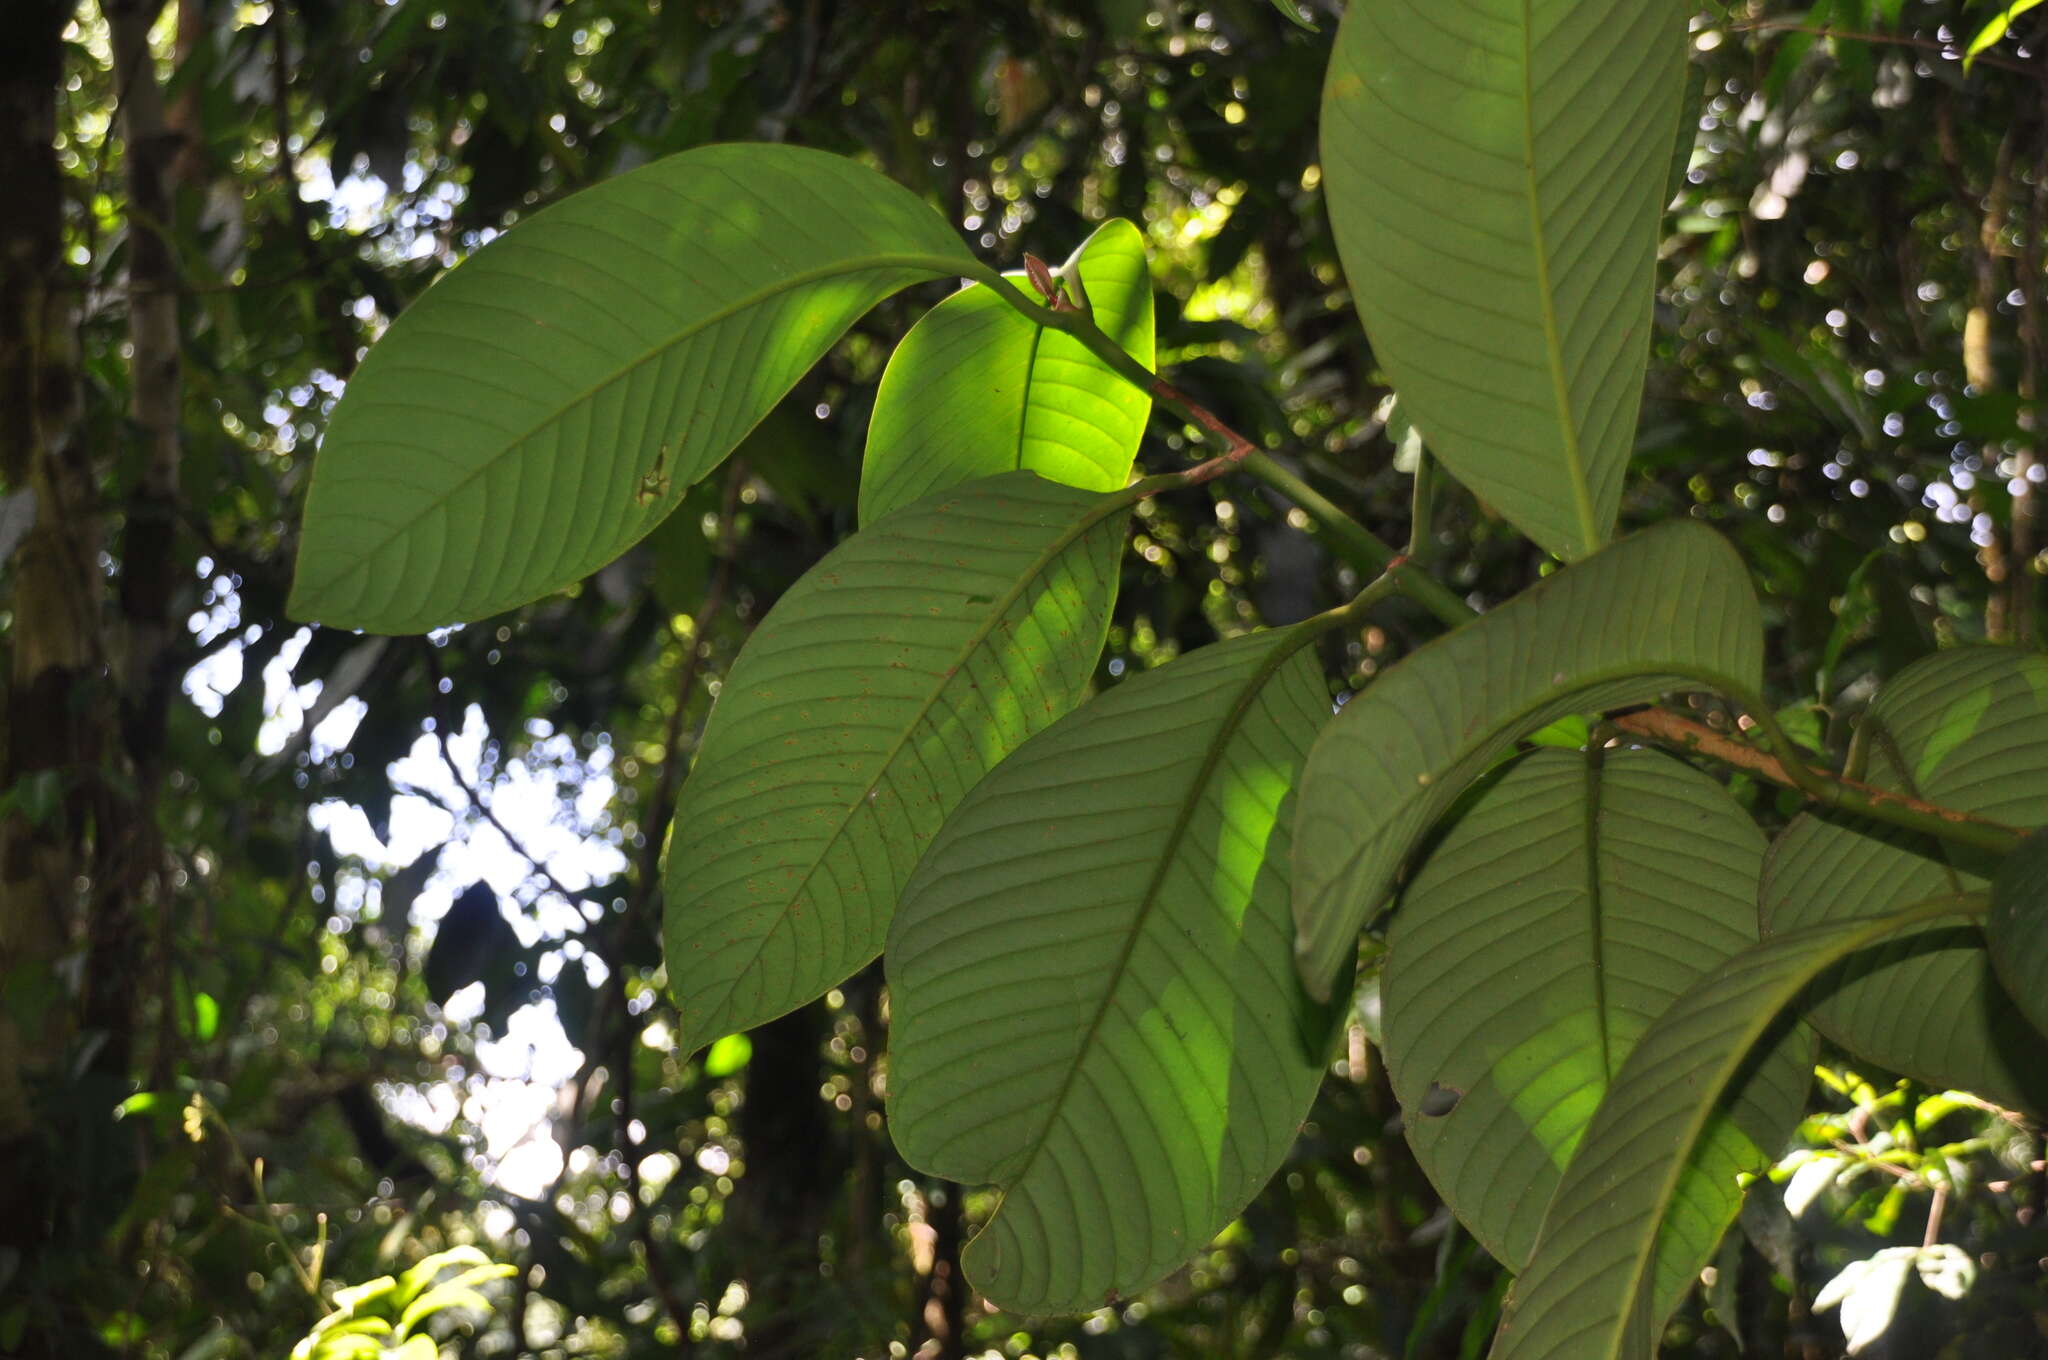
(978, 388)
(1496, 171)
(1093, 1004)
(885, 684)
(1566, 910)
(1967, 728)
(550, 400)
(1582, 1296)
(2018, 928)
(1665, 608)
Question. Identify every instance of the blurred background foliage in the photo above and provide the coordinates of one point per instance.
(359, 936)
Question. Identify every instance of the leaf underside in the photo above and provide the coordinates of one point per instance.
(881, 688)
(1495, 172)
(1608, 631)
(978, 388)
(1582, 1294)
(551, 399)
(1092, 997)
(1570, 905)
(2017, 930)
(1966, 728)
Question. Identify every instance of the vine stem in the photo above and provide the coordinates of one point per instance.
(1367, 551)
(1352, 541)
(1830, 790)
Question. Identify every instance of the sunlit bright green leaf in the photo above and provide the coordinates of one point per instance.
(205, 1016)
(1582, 1294)
(551, 399)
(1093, 1005)
(1966, 728)
(1609, 631)
(728, 1055)
(1993, 32)
(880, 690)
(1574, 900)
(1495, 172)
(978, 388)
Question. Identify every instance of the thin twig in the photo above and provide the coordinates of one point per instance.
(254, 1169)
(476, 801)
(1882, 40)
(1236, 448)
(1933, 1233)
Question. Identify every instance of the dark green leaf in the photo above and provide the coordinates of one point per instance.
(551, 399)
(1966, 728)
(1583, 1295)
(1570, 905)
(1496, 172)
(1093, 1002)
(1609, 631)
(881, 689)
(2017, 930)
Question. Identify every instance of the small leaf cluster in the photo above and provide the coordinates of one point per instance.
(388, 1317)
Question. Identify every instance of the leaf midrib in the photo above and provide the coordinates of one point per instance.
(998, 611)
(1596, 906)
(1553, 344)
(938, 265)
(1024, 410)
(1184, 816)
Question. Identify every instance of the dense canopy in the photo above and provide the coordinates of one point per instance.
(326, 952)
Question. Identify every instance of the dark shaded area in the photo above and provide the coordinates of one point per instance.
(1845, 381)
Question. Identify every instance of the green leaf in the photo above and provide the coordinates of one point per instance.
(355, 1297)
(143, 1102)
(1296, 15)
(453, 1294)
(1610, 631)
(888, 681)
(728, 1055)
(2017, 931)
(1092, 1004)
(1992, 32)
(1496, 173)
(1966, 728)
(1581, 1296)
(550, 400)
(421, 1275)
(1688, 130)
(978, 388)
(205, 1016)
(1568, 907)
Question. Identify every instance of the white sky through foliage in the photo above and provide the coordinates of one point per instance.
(555, 799)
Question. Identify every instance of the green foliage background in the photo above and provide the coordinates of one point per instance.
(1846, 354)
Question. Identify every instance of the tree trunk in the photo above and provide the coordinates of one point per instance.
(783, 1203)
(49, 737)
(88, 687)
